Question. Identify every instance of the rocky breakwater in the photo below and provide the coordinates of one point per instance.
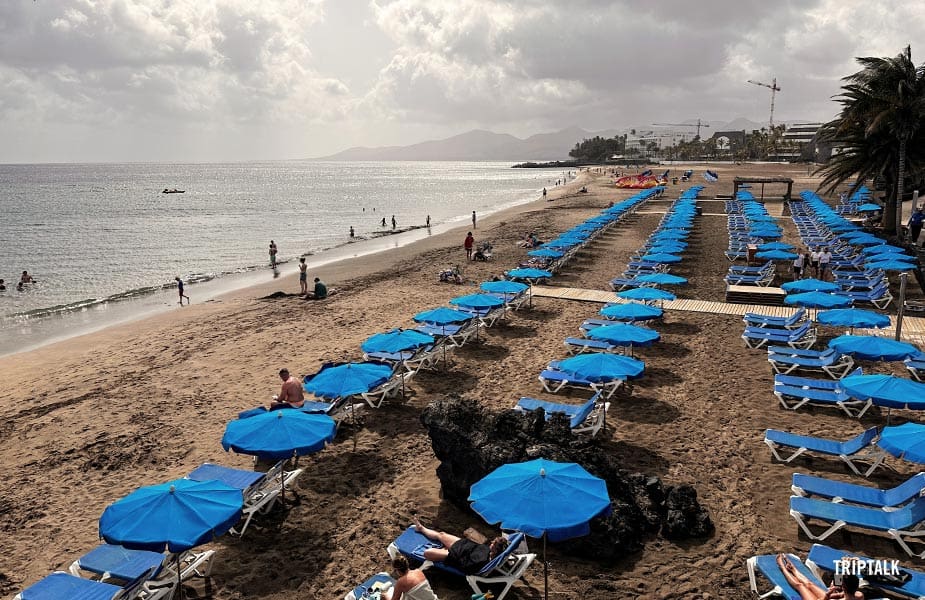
(470, 442)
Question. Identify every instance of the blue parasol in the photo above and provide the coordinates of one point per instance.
(601, 367)
(632, 311)
(341, 381)
(662, 279)
(776, 255)
(504, 287)
(886, 390)
(810, 285)
(529, 274)
(623, 334)
(871, 347)
(775, 246)
(905, 441)
(869, 207)
(891, 264)
(546, 253)
(660, 257)
(279, 434)
(818, 300)
(852, 318)
(397, 340)
(477, 301)
(646, 294)
(442, 316)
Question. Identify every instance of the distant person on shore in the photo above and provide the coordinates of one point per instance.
(273, 251)
(303, 277)
(394, 222)
(470, 241)
(383, 221)
(26, 278)
(320, 293)
(352, 234)
(473, 220)
(544, 193)
(290, 395)
(428, 222)
(180, 290)
(2, 286)
(410, 584)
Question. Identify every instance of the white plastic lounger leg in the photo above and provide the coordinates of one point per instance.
(788, 406)
(799, 519)
(774, 448)
(753, 581)
(900, 537)
(875, 456)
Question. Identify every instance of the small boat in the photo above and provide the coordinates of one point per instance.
(173, 191)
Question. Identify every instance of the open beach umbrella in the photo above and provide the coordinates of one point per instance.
(818, 300)
(776, 255)
(477, 301)
(600, 367)
(529, 274)
(546, 253)
(504, 287)
(853, 318)
(869, 207)
(775, 246)
(662, 279)
(882, 249)
(397, 340)
(661, 257)
(632, 311)
(442, 316)
(872, 347)
(886, 390)
(543, 499)
(810, 285)
(853, 233)
(646, 294)
(666, 247)
(770, 234)
(279, 434)
(868, 241)
(174, 516)
(906, 441)
(623, 334)
(340, 381)
(891, 264)
(669, 234)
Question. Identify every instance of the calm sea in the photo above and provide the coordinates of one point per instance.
(98, 237)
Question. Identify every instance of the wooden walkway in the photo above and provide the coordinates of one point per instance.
(913, 327)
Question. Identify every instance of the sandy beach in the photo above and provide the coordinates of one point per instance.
(85, 421)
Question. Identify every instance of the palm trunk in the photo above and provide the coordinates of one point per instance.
(900, 185)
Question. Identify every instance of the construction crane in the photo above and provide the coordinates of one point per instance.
(698, 125)
(774, 89)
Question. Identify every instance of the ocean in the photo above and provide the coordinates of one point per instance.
(104, 244)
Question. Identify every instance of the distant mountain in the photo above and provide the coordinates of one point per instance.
(479, 144)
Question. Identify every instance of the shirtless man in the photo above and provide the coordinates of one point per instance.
(26, 278)
(290, 395)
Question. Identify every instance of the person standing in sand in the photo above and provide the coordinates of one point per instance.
(427, 224)
(798, 266)
(394, 222)
(303, 277)
(473, 220)
(467, 244)
(383, 221)
(290, 395)
(273, 254)
(352, 233)
(180, 289)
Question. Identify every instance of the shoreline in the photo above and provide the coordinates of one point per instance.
(99, 315)
(335, 265)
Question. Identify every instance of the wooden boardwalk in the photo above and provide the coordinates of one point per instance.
(913, 327)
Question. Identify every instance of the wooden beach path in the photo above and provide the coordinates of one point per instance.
(913, 327)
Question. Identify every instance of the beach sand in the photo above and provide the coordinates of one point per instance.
(85, 421)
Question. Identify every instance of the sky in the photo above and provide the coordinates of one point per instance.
(232, 80)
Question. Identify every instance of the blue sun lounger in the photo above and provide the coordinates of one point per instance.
(916, 367)
(755, 270)
(59, 586)
(767, 565)
(377, 583)
(794, 392)
(860, 447)
(802, 337)
(587, 417)
(621, 283)
(837, 491)
(823, 559)
(156, 571)
(762, 280)
(582, 345)
(791, 322)
(786, 359)
(903, 524)
(506, 568)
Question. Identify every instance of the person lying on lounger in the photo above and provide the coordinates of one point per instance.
(460, 553)
(410, 584)
(846, 590)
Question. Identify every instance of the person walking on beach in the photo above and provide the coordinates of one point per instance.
(544, 193)
(470, 241)
(394, 222)
(473, 220)
(825, 257)
(272, 254)
(798, 267)
(180, 290)
(303, 277)
(428, 221)
(814, 262)
(383, 221)
(351, 232)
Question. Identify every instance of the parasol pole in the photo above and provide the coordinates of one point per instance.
(903, 277)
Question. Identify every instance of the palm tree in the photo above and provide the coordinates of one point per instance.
(879, 130)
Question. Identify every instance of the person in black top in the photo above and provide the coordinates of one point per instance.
(460, 553)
